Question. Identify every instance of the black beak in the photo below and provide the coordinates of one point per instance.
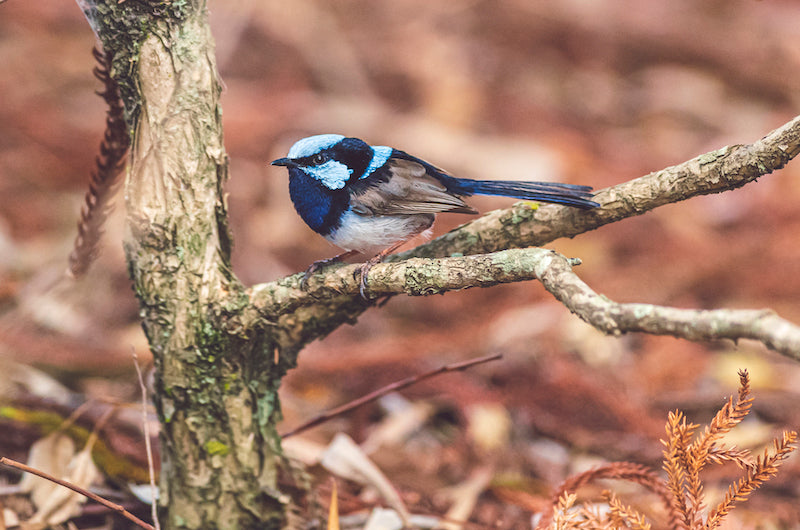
(288, 162)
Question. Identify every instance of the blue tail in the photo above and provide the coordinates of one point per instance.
(567, 194)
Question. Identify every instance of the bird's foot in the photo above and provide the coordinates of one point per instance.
(317, 265)
(371, 262)
(363, 272)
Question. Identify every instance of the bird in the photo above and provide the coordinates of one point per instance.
(372, 199)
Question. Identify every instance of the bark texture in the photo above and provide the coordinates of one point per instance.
(216, 382)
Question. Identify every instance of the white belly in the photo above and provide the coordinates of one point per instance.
(370, 235)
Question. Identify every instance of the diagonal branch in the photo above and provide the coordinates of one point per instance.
(614, 318)
(393, 387)
(715, 172)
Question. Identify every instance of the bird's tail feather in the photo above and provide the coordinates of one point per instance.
(568, 194)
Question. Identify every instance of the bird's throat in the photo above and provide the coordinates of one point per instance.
(320, 207)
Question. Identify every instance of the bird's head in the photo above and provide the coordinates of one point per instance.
(334, 160)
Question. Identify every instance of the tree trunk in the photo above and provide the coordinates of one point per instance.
(216, 382)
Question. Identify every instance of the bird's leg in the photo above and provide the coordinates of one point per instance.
(317, 265)
(367, 265)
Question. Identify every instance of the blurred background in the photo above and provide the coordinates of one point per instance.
(593, 93)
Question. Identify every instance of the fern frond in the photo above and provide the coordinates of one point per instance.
(626, 515)
(765, 467)
(109, 165)
(697, 455)
(721, 455)
(679, 432)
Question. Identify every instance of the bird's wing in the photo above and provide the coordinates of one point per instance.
(404, 187)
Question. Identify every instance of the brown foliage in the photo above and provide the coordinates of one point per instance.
(109, 165)
(682, 490)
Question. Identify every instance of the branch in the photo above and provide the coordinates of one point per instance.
(393, 387)
(419, 277)
(86, 493)
(715, 172)
(615, 318)
(414, 277)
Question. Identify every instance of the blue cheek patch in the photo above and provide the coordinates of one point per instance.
(380, 154)
(313, 145)
(332, 174)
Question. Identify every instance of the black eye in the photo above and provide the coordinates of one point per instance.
(318, 159)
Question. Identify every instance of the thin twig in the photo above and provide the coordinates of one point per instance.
(615, 318)
(108, 504)
(147, 446)
(397, 385)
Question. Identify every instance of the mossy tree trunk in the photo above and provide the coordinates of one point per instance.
(216, 379)
(220, 349)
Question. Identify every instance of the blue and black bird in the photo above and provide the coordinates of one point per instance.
(372, 199)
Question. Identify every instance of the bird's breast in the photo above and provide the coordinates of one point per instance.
(371, 234)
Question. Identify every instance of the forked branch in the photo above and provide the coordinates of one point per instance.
(486, 264)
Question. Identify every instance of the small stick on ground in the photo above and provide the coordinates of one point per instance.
(108, 504)
(147, 446)
(397, 385)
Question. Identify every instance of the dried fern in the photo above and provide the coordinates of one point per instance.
(682, 492)
(765, 467)
(683, 461)
(697, 455)
(109, 165)
(679, 433)
(622, 515)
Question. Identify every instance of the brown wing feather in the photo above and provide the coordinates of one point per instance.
(407, 190)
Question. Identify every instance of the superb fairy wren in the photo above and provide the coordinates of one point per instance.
(372, 199)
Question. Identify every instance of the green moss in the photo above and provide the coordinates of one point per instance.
(122, 27)
(213, 447)
(713, 156)
(266, 407)
(196, 243)
(521, 212)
